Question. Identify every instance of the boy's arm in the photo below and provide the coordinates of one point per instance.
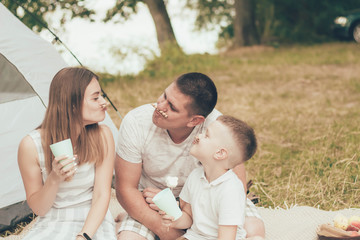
(183, 222)
(227, 232)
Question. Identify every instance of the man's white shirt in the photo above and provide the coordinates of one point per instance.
(141, 141)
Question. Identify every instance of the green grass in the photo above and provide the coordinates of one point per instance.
(303, 102)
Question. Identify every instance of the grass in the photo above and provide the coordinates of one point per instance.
(303, 102)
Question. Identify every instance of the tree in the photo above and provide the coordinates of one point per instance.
(245, 32)
(164, 31)
(248, 22)
(237, 18)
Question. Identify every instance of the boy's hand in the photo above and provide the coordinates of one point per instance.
(167, 220)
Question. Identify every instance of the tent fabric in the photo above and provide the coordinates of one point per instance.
(18, 118)
(28, 63)
(37, 61)
(12, 85)
(294, 223)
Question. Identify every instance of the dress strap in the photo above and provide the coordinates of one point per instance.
(35, 135)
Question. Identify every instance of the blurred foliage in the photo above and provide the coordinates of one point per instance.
(105, 78)
(277, 21)
(173, 62)
(32, 13)
(122, 10)
(288, 21)
(212, 12)
(306, 20)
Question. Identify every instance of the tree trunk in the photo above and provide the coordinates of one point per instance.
(164, 30)
(245, 33)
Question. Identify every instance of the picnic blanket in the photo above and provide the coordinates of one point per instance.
(293, 223)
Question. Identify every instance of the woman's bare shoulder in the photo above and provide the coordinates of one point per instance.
(27, 142)
(27, 148)
(105, 130)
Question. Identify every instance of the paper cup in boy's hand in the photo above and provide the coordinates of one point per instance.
(62, 148)
(165, 200)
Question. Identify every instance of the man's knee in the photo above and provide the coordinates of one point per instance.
(129, 235)
(254, 227)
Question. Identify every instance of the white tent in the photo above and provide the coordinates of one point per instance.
(27, 66)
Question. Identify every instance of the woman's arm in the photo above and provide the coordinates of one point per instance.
(102, 186)
(40, 197)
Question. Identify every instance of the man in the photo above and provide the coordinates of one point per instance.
(154, 143)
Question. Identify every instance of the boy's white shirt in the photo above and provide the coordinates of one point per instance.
(141, 141)
(220, 202)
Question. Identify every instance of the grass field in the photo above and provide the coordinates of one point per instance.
(303, 102)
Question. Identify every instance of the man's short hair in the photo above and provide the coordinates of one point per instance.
(201, 89)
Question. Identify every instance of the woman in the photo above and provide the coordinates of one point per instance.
(71, 200)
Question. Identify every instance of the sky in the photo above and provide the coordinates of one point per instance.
(94, 43)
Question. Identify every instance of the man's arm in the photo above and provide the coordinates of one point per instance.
(227, 232)
(127, 177)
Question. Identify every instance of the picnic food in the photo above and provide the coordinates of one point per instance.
(351, 225)
(171, 182)
(159, 111)
(340, 221)
(354, 224)
(327, 231)
(355, 220)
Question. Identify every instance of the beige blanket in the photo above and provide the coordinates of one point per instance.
(295, 223)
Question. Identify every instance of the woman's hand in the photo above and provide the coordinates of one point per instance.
(64, 167)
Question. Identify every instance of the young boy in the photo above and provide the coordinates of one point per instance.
(213, 196)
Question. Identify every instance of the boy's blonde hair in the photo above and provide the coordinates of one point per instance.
(243, 136)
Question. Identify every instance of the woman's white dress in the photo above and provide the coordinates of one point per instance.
(72, 204)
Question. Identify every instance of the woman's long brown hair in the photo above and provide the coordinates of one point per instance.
(63, 117)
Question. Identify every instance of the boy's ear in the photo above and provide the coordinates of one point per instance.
(221, 154)
(196, 120)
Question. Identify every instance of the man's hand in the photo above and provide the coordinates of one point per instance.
(148, 194)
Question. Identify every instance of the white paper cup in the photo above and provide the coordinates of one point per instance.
(165, 200)
(65, 148)
(62, 148)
